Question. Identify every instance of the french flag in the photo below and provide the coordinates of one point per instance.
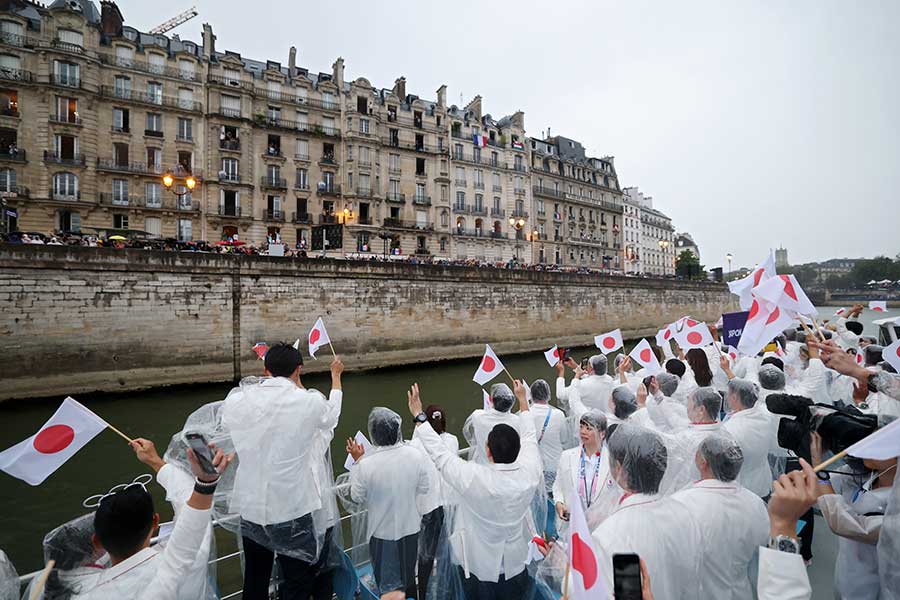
(479, 140)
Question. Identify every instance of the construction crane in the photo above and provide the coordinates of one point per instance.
(176, 21)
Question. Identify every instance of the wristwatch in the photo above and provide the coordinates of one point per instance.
(824, 476)
(421, 418)
(784, 543)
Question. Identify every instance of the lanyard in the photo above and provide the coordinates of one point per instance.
(588, 492)
(546, 422)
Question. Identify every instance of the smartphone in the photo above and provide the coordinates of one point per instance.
(647, 381)
(566, 354)
(627, 577)
(584, 363)
(197, 443)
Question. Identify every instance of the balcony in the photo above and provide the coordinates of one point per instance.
(273, 182)
(402, 224)
(519, 191)
(365, 192)
(479, 211)
(364, 164)
(225, 177)
(120, 129)
(187, 205)
(498, 212)
(69, 81)
(14, 39)
(66, 196)
(519, 168)
(59, 159)
(145, 67)
(460, 182)
(66, 46)
(153, 133)
(230, 113)
(364, 220)
(479, 185)
(328, 220)
(229, 82)
(149, 98)
(328, 159)
(499, 235)
(328, 190)
(273, 215)
(17, 155)
(107, 199)
(545, 191)
(184, 138)
(62, 119)
(395, 171)
(395, 198)
(16, 75)
(229, 211)
(110, 164)
(230, 144)
(301, 186)
(461, 208)
(15, 191)
(518, 213)
(422, 200)
(468, 232)
(302, 218)
(498, 188)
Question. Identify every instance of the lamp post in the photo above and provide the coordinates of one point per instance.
(518, 224)
(663, 246)
(534, 236)
(181, 187)
(728, 258)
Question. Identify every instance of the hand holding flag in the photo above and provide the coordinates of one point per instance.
(891, 355)
(552, 356)
(318, 337)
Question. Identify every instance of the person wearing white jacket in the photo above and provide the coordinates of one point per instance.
(750, 424)
(551, 429)
(489, 544)
(596, 388)
(482, 421)
(282, 488)
(733, 521)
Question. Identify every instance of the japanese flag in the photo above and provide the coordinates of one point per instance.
(318, 337)
(839, 312)
(644, 355)
(859, 358)
(878, 305)
(695, 336)
(70, 428)
(486, 400)
(764, 322)
(881, 445)
(552, 356)
(609, 342)
(297, 344)
(489, 367)
(260, 348)
(663, 336)
(744, 287)
(586, 581)
(732, 353)
(891, 355)
(785, 292)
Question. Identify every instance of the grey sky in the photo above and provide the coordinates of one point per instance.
(751, 124)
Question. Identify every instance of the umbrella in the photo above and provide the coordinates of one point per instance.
(117, 238)
(229, 243)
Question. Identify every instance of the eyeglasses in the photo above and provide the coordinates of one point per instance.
(95, 500)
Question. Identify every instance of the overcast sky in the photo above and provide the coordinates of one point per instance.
(751, 124)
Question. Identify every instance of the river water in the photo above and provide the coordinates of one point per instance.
(30, 512)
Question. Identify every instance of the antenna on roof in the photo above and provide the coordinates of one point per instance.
(175, 21)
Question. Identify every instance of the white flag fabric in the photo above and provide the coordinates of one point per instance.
(70, 428)
(318, 337)
(694, 337)
(764, 322)
(891, 354)
(609, 342)
(486, 400)
(587, 584)
(878, 305)
(489, 367)
(839, 312)
(784, 291)
(743, 287)
(663, 336)
(552, 356)
(881, 445)
(297, 344)
(363, 441)
(643, 354)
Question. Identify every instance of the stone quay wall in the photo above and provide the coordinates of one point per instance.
(76, 319)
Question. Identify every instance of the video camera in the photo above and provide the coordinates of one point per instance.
(839, 427)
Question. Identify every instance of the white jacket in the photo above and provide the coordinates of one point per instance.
(752, 429)
(595, 390)
(479, 425)
(277, 429)
(388, 479)
(733, 524)
(489, 533)
(782, 576)
(568, 480)
(555, 435)
(660, 531)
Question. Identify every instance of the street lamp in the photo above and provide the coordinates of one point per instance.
(663, 245)
(169, 181)
(518, 224)
(534, 235)
(728, 258)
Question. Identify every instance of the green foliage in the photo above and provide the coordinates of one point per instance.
(688, 266)
(878, 268)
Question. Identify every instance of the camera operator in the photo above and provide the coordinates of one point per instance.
(853, 505)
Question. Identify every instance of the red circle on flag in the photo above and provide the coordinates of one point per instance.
(584, 561)
(694, 337)
(609, 343)
(645, 355)
(898, 352)
(667, 334)
(692, 323)
(556, 353)
(488, 364)
(754, 310)
(53, 439)
(314, 336)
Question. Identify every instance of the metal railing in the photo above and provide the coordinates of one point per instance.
(16, 75)
(146, 67)
(273, 182)
(149, 98)
(395, 197)
(60, 159)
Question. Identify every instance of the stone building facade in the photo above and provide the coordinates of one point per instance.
(93, 113)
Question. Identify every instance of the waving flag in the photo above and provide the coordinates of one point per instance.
(479, 140)
(891, 354)
(261, 348)
(663, 336)
(486, 400)
(878, 305)
(318, 337)
(609, 342)
(70, 428)
(785, 292)
(880, 445)
(552, 356)
(764, 322)
(732, 353)
(644, 355)
(489, 367)
(296, 344)
(743, 287)
(586, 580)
(696, 336)
(839, 312)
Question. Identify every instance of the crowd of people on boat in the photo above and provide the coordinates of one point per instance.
(703, 470)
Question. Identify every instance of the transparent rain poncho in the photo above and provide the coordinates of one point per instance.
(9, 579)
(77, 562)
(288, 432)
(384, 496)
(480, 423)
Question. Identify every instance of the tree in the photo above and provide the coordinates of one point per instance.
(688, 266)
(878, 268)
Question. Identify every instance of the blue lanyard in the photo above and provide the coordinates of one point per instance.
(546, 422)
(589, 492)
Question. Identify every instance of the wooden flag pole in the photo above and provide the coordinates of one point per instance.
(127, 439)
(41, 580)
(510, 377)
(332, 348)
(819, 329)
(565, 594)
(834, 458)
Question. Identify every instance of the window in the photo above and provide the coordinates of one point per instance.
(153, 194)
(120, 221)
(445, 218)
(420, 167)
(364, 158)
(66, 147)
(154, 123)
(10, 65)
(68, 221)
(476, 154)
(479, 179)
(232, 76)
(460, 176)
(479, 202)
(230, 169)
(7, 180)
(185, 129)
(302, 150)
(120, 191)
(186, 161)
(67, 36)
(364, 126)
(231, 105)
(154, 92)
(122, 87)
(157, 62)
(153, 226)
(186, 98)
(67, 73)
(120, 120)
(186, 68)
(230, 203)
(460, 201)
(66, 109)
(457, 151)
(154, 159)
(328, 101)
(394, 162)
(362, 105)
(302, 182)
(362, 241)
(124, 56)
(120, 154)
(420, 191)
(496, 179)
(302, 121)
(12, 32)
(273, 113)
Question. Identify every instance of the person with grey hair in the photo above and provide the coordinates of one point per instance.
(626, 405)
(594, 389)
(665, 412)
(733, 521)
(771, 379)
(551, 428)
(750, 424)
(388, 479)
(480, 423)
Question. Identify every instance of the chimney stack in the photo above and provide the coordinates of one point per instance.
(442, 96)
(292, 62)
(400, 88)
(209, 41)
(337, 74)
(111, 19)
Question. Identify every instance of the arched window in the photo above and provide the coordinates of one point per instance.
(7, 180)
(479, 227)
(460, 224)
(65, 185)
(445, 218)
